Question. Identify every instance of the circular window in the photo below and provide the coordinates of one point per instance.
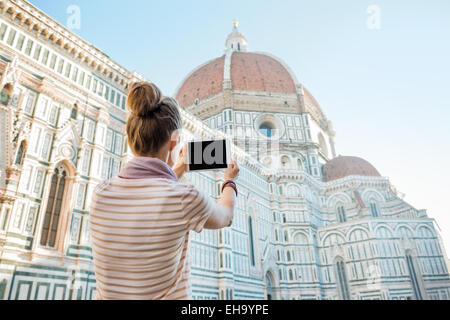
(269, 126)
(267, 129)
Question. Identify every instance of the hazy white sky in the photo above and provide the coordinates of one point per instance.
(386, 90)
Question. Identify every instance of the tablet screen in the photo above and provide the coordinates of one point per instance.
(207, 155)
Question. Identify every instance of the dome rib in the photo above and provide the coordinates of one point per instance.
(248, 72)
(259, 72)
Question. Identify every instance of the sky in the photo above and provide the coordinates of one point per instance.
(379, 69)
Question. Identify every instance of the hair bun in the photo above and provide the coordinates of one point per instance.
(143, 99)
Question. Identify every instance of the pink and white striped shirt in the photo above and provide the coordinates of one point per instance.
(140, 232)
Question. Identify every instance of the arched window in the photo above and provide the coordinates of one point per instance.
(341, 214)
(2, 289)
(21, 153)
(286, 236)
(285, 162)
(341, 279)
(269, 286)
(74, 112)
(239, 46)
(299, 164)
(294, 191)
(413, 275)
(300, 239)
(288, 254)
(5, 94)
(291, 275)
(250, 236)
(374, 209)
(54, 206)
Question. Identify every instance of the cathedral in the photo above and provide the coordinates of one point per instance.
(309, 223)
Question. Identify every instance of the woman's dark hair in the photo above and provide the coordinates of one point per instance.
(152, 119)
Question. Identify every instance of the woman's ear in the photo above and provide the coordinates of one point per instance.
(174, 139)
(173, 144)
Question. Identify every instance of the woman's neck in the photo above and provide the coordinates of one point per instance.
(161, 156)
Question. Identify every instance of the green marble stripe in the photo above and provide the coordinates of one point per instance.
(59, 286)
(42, 284)
(26, 196)
(41, 275)
(19, 284)
(15, 245)
(74, 255)
(80, 247)
(19, 236)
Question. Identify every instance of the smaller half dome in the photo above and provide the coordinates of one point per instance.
(343, 166)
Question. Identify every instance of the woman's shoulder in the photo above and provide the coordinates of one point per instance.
(121, 185)
(184, 185)
(188, 190)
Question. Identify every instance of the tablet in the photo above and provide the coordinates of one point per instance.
(208, 155)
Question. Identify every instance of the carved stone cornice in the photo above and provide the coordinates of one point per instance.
(38, 24)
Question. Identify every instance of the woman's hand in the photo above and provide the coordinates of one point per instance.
(232, 172)
(180, 166)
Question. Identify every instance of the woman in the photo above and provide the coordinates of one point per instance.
(140, 220)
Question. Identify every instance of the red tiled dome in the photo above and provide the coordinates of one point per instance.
(248, 71)
(204, 82)
(259, 72)
(341, 167)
